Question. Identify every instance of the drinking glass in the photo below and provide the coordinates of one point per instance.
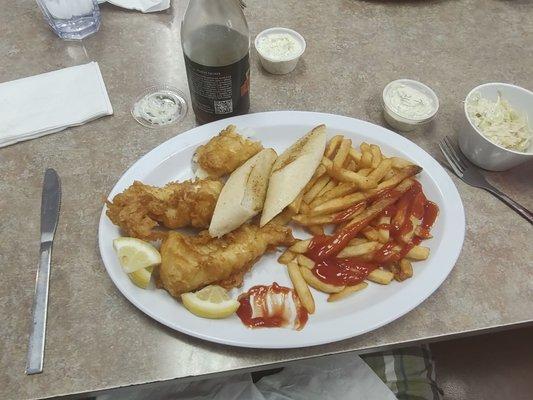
(71, 19)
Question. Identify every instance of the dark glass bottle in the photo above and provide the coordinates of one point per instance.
(216, 46)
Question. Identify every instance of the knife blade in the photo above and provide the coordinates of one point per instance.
(50, 205)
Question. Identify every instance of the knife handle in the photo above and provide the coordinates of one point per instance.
(34, 362)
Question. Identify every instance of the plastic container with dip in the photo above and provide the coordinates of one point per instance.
(159, 106)
(409, 104)
(279, 49)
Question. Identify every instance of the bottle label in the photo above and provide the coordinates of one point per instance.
(219, 91)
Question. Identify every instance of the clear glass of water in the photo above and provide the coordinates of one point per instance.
(71, 19)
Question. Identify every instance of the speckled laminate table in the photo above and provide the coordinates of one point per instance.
(96, 339)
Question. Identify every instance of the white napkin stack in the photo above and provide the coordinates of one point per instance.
(144, 6)
(47, 103)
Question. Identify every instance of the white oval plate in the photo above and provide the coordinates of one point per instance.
(373, 307)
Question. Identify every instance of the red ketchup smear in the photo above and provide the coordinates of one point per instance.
(346, 214)
(350, 271)
(342, 271)
(322, 247)
(412, 203)
(275, 315)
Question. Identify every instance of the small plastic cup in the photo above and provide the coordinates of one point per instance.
(280, 66)
(408, 124)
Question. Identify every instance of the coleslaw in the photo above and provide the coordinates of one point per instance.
(499, 122)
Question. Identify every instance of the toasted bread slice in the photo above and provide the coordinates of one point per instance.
(292, 170)
(243, 195)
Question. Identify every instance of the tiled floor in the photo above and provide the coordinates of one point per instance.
(496, 366)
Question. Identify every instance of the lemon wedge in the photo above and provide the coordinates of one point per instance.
(142, 277)
(135, 254)
(211, 302)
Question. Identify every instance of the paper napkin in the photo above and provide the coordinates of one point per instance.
(47, 103)
(144, 6)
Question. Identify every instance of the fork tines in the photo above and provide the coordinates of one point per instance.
(455, 158)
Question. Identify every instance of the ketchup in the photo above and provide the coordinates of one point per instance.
(346, 214)
(431, 211)
(271, 307)
(342, 271)
(330, 246)
(350, 271)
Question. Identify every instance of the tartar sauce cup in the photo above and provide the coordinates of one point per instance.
(406, 123)
(279, 66)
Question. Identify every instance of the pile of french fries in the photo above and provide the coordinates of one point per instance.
(347, 180)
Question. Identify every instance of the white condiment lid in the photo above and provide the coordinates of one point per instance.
(165, 93)
(277, 30)
(415, 85)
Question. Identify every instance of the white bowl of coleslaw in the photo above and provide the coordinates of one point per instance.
(498, 129)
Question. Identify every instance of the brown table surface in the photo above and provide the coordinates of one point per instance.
(96, 339)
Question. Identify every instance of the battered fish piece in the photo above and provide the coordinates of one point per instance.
(225, 153)
(192, 262)
(141, 208)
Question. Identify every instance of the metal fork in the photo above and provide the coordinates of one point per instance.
(471, 175)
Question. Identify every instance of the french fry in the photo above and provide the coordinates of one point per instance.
(402, 174)
(341, 203)
(415, 222)
(345, 175)
(309, 220)
(342, 153)
(359, 249)
(366, 156)
(380, 276)
(356, 241)
(286, 257)
(301, 288)
(351, 166)
(348, 290)
(304, 261)
(349, 213)
(380, 205)
(384, 234)
(297, 202)
(398, 162)
(423, 234)
(331, 184)
(316, 283)
(316, 188)
(355, 155)
(284, 217)
(406, 270)
(361, 221)
(332, 145)
(380, 171)
(360, 180)
(371, 234)
(395, 269)
(320, 171)
(304, 208)
(340, 190)
(365, 171)
(337, 204)
(315, 230)
(389, 174)
(376, 155)
(418, 253)
(300, 247)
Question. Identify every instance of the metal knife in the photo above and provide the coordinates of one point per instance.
(50, 204)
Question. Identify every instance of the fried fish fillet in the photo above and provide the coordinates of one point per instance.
(225, 153)
(141, 208)
(192, 262)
